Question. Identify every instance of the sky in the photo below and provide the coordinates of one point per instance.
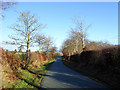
(103, 17)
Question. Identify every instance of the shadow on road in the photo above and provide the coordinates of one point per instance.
(59, 75)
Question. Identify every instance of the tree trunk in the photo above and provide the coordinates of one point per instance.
(28, 53)
(77, 46)
(83, 43)
(39, 48)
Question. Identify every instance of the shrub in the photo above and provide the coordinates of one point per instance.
(104, 58)
(75, 58)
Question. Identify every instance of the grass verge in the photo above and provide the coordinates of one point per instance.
(31, 78)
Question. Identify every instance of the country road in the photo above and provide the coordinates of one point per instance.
(60, 76)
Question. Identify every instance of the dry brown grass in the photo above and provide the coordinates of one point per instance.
(10, 61)
(7, 76)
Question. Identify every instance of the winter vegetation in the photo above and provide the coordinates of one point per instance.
(5, 6)
(98, 60)
(23, 68)
(16, 75)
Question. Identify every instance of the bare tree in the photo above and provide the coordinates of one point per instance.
(48, 43)
(40, 39)
(20, 48)
(68, 47)
(81, 31)
(75, 39)
(53, 49)
(92, 45)
(25, 29)
(6, 5)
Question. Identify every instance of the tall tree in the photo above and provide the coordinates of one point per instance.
(75, 39)
(40, 39)
(48, 43)
(53, 49)
(26, 29)
(82, 31)
(68, 47)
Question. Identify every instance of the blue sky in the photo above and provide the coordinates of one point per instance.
(58, 16)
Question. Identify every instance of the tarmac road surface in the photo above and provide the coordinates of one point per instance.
(60, 76)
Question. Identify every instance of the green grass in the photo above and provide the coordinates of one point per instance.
(29, 77)
(42, 68)
(50, 62)
(21, 84)
(18, 53)
(37, 69)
